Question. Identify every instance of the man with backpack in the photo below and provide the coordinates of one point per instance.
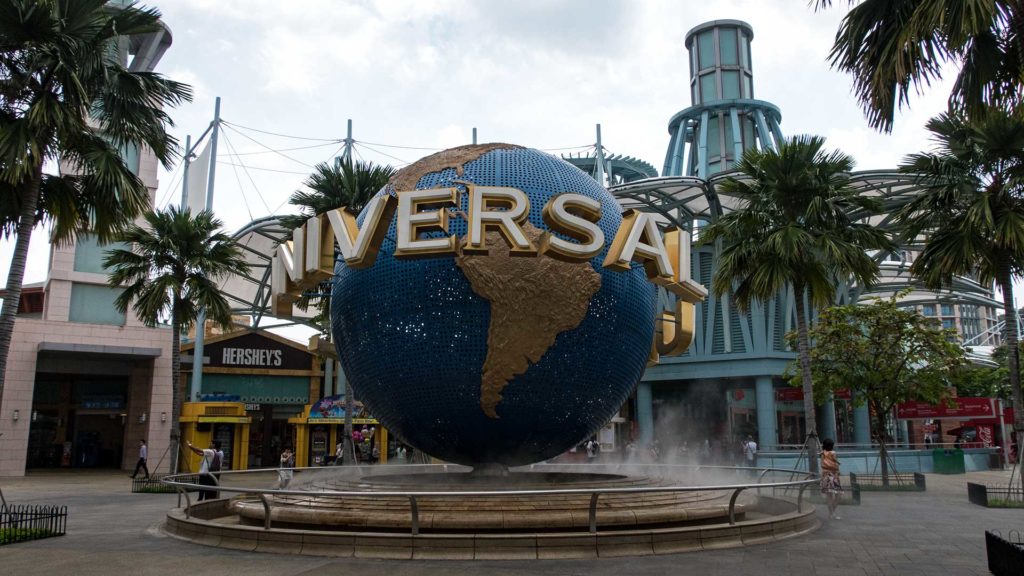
(750, 451)
(209, 463)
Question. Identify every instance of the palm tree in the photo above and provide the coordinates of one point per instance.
(971, 213)
(172, 267)
(890, 46)
(331, 186)
(63, 98)
(794, 226)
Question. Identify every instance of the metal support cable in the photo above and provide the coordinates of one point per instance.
(282, 154)
(279, 134)
(248, 175)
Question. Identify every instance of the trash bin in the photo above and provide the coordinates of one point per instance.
(946, 461)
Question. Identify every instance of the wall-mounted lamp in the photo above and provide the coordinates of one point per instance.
(35, 415)
(142, 418)
(16, 415)
(163, 416)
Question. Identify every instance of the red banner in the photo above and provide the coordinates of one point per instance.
(962, 408)
(796, 394)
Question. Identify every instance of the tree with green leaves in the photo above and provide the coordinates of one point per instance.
(796, 225)
(970, 214)
(891, 46)
(331, 186)
(172, 266)
(885, 355)
(65, 97)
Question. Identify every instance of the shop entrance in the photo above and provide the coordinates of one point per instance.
(77, 421)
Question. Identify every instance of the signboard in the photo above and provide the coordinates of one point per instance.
(962, 408)
(256, 351)
(333, 407)
(797, 394)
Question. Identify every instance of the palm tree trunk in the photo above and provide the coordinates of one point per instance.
(1013, 358)
(16, 273)
(804, 355)
(175, 391)
(349, 452)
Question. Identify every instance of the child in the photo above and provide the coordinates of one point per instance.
(830, 485)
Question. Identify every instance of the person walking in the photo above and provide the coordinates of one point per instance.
(750, 450)
(830, 484)
(143, 457)
(285, 472)
(206, 462)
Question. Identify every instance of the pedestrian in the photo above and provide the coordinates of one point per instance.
(830, 485)
(284, 473)
(143, 457)
(207, 457)
(749, 450)
(339, 453)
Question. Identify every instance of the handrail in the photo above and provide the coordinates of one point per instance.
(412, 495)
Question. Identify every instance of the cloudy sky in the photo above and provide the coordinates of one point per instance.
(417, 75)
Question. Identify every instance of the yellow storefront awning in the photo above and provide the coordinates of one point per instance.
(226, 419)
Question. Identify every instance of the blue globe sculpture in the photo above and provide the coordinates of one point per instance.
(489, 359)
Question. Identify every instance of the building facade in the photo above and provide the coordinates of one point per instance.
(730, 383)
(84, 383)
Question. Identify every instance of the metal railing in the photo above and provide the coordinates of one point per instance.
(23, 522)
(178, 481)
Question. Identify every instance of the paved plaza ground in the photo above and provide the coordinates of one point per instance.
(111, 531)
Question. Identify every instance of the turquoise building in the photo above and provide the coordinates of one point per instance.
(730, 382)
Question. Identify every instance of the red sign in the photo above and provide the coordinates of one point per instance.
(962, 408)
(788, 394)
(796, 394)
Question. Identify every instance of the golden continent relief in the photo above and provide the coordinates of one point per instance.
(533, 300)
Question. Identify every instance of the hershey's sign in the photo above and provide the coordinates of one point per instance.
(251, 357)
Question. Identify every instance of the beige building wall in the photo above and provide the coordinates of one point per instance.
(54, 343)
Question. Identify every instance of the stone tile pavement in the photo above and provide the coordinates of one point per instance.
(111, 531)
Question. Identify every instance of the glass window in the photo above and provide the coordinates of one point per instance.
(693, 94)
(947, 310)
(130, 155)
(708, 89)
(706, 44)
(89, 254)
(727, 44)
(748, 133)
(727, 122)
(928, 310)
(948, 323)
(730, 84)
(714, 139)
(744, 42)
(94, 305)
(748, 87)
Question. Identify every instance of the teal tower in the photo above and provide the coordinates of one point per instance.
(724, 120)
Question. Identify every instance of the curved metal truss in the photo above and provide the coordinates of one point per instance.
(687, 201)
(619, 169)
(250, 293)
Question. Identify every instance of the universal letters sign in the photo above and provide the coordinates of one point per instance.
(308, 258)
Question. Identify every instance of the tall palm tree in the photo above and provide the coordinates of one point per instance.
(971, 214)
(795, 226)
(331, 186)
(172, 266)
(64, 98)
(890, 46)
